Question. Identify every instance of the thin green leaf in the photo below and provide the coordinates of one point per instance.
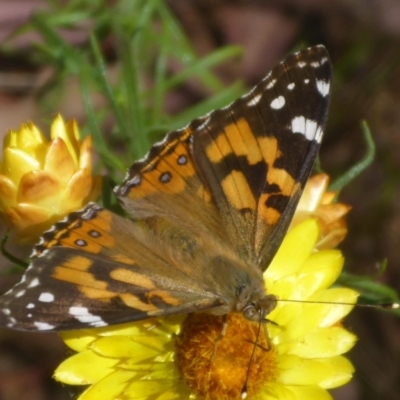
(199, 67)
(221, 99)
(104, 151)
(371, 291)
(361, 166)
(107, 90)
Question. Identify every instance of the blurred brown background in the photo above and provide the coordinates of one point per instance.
(363, 38)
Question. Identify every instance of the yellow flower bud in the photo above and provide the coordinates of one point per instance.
(43, 180)
(317, 202)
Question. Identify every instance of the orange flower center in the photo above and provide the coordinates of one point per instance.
(217, 369)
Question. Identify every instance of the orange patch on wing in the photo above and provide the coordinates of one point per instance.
(166, 161)
(164, 296)
(132, 301)
(268, 214)
(90, 247)
(243, 141)
(283, 179)
(145, 188)
(204, 194)
(63, 273)
(79, 263)
(59, 234)
(133, 278)
(123, 259)
(99, 294)
(219, 148)
(269, 148)
(186, 170)
(238, 192)
(106, 217)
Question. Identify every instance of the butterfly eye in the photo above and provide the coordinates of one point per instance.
(250, 312)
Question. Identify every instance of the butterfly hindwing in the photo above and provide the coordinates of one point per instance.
(257, 153)
(81, 275)
(165, 184)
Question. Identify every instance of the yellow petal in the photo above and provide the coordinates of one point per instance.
(17, 163)
(313, 192)
(322, 342)
(341, 372)
(294, 251)
(60, 161)
(178, 392)
(109, 388)
(85, 153)
(326, 372)
(320, 270)
(317, 315)
(29, 138)
(8, 192)
(84, 368)
(333, 313)
(290, 392)
(78, 340)
(78, 190)
(23, 216)
(68, 135)
(40, 188)
(135, 347)
(144, 389)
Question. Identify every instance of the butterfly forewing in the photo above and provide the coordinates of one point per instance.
(257, 154)
(209, 206)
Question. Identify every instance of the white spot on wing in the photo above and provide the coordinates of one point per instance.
(46, 297)
(30, 305)
(301, 64)
(323, 87)
(306, 81)
(82, 314)
(307, 127)
(270, 84)
(324, 60)
(291, 86)
(20, 293)
(33, 283)
(6, 311)
(43, 326)
(254, 100)
(277, 103)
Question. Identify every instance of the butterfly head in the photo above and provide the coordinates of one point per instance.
(258, 306)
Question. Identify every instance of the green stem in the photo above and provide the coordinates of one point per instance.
(9, 256)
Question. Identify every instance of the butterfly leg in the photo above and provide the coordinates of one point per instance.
(220, 337)
(269, 343)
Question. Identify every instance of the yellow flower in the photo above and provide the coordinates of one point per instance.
(41, 181)
(318, 203)
(177, 358)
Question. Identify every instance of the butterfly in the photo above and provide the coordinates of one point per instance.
(209, 206)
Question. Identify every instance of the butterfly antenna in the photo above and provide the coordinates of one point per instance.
(387, 306)
(244, 388)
